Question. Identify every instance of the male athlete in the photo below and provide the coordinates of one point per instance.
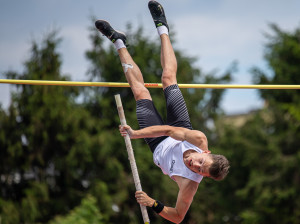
(180, 152)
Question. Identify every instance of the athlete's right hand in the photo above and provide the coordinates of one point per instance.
(126, 130)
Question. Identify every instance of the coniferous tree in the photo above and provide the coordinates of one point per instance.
(44, 136)
(263, 184)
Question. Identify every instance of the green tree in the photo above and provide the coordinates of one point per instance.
(263, 185)
(86, 213)
(43, 141)
(283, 175)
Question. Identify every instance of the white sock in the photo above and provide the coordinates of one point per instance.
(119, 44)
(162, 30)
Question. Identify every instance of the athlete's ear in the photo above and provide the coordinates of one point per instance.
(208, 152)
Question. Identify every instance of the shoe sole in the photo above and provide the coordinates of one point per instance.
(104, 25)
(153, 7)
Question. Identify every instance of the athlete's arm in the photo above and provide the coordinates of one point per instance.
(194, 137)
(186, 193)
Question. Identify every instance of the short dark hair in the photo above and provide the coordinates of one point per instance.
(219, 168)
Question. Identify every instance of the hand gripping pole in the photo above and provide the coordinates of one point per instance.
(131, 158)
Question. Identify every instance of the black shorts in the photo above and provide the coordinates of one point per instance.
(177, 114)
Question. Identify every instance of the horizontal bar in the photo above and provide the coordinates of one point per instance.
(148, 85)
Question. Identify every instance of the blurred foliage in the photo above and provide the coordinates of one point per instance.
(62, 159)
(86, 213)
(263, 185)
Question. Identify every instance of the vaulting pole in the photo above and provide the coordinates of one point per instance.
(131, 158)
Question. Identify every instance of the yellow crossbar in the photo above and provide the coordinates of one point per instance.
(148, 85)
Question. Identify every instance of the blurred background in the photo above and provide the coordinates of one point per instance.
(62, 159)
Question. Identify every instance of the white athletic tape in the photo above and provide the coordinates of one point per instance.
(127, 66)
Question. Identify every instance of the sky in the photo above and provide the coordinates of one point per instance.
(217, 32)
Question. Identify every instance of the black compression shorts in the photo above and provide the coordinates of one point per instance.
(177, 114)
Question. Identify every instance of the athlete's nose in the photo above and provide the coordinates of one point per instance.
(197, 165)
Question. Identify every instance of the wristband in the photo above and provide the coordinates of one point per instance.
(158, 207)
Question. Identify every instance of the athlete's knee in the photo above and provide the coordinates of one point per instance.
(141, 92)
(168, 77)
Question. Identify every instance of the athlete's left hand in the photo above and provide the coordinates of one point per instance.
(126, 130)
(143, 199)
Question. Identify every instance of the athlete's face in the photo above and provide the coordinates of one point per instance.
(199, 163)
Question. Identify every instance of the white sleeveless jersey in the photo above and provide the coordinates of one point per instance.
(168, 155)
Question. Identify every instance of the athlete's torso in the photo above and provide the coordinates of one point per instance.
(168, 155)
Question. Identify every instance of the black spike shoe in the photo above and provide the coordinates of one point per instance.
(158, 14)
(105, 28)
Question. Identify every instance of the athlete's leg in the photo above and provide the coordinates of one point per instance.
(131, 70)
(133, 76)
(168, 62)
(168, 59)
(177, 113)
(146, 112)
